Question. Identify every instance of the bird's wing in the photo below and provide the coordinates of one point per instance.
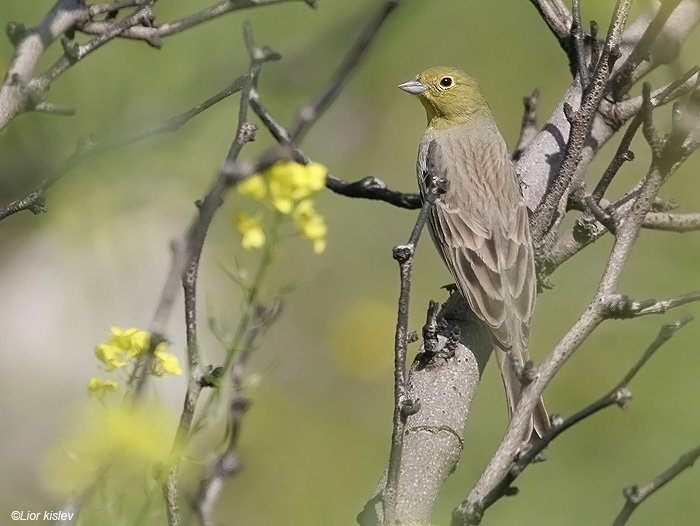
(487, 248)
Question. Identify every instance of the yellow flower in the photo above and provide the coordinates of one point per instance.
(165, 364)
(290, 182)
(140, 342)
(254, 187)
(122, 347)
(311, 225)
(111, 355)
(313, 181)
(282, 176)
(251, 228)
(122, 338)
(97, 388)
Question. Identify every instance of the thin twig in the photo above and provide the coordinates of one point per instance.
(74, 52)
(528, 126)
(579, 49)
(624, 77)
(228, 464)
(635, 495)
(369, 187)
(187, 261)
(313, 111)
(34, 201)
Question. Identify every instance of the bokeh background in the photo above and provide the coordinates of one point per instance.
(317, 436)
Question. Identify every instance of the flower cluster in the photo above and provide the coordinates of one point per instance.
(123, 347)
(289, 187)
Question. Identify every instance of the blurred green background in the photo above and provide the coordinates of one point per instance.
(316, 438)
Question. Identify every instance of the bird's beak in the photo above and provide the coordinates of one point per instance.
(414, 86)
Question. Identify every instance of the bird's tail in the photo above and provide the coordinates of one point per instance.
(539, 421)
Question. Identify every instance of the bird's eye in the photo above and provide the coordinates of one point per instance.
(446, 82)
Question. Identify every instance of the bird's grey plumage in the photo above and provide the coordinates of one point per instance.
(480, 226)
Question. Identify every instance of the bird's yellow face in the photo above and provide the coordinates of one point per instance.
(449, 95)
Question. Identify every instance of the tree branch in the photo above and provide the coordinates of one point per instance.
(403, 406)
(369, 187)
(528, 126)
(549, 211)
(558, 18)
(635, 495)
(679, 223)
(186, 264)
(310, 113)
(153, 34)
(618, 395)
(35, 200)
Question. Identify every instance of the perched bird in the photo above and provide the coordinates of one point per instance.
(480, 224)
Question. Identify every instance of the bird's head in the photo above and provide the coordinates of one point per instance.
(450, 96)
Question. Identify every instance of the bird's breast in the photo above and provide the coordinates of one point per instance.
(478, 167)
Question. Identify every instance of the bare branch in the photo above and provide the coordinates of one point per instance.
(30, 46)
(228, 463)
(549, 211)
(74, 52)
(34, 201)
(624, 77)
(586, 230)
(635, 495)
(623, 307)
(679, 223)
(369, 187)
(558, 19)
(618, 395)
(403, 406)
(313, 111)
(528, 127)
(153, 35)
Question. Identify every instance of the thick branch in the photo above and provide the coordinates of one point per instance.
(444, 377)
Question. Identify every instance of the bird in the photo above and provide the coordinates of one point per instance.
(480, 223)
